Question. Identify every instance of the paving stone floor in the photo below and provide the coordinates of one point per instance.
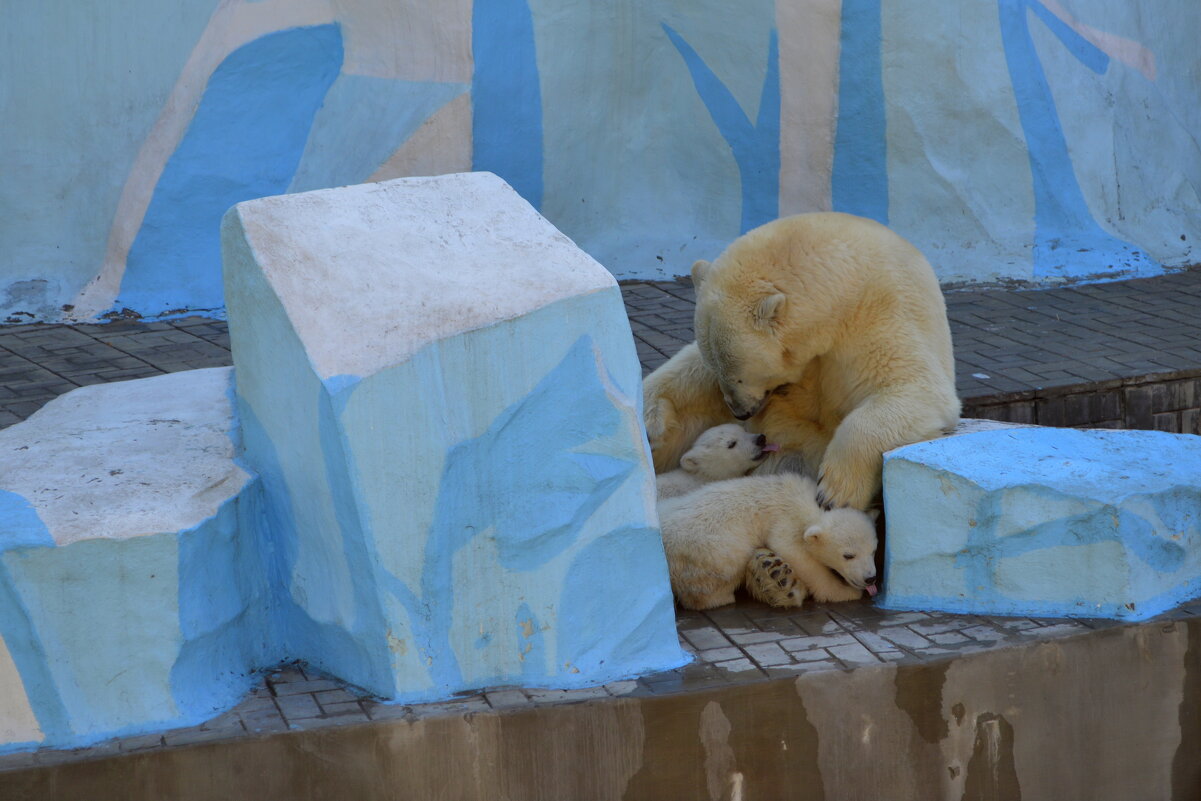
(1005, 341)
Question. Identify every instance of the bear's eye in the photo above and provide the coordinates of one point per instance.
(732, 444)
(848, 556)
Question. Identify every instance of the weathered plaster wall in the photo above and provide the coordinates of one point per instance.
(1108, 716)
(1038, 140)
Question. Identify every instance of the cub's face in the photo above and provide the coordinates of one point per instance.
(725, 451)
(844, 540)
(736, 335)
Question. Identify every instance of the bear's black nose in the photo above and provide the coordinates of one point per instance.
(761, 440)
(869, 580)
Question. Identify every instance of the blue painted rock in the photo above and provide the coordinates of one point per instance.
(441, 394)
(126, 598)
(1044, 521)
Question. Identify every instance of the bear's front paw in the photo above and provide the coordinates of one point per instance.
(836, 487)
(770, 579)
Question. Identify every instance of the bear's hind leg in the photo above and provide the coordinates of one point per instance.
(770, 579)
(690, 599)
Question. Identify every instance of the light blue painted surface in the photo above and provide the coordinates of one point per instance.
(22, 527)
(422, 553)
(93, 605)
(860, 177)
(515, 479)
(83, 83)
(123, 636)
(222, 593)
(756, 147)
(337, 153)
(21, 637)
(321, 609)
(506, 96)
(635, 169)
(244, 141)
(1068, 241)
(119, 637)
(1044, 521)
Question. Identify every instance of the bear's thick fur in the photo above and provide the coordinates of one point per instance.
(829, 334)
(721, 452)
(711, 534)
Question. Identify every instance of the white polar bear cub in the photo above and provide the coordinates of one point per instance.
(721, 452)
(710, 535)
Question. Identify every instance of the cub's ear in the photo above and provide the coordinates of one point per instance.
(689, 462)
(874, 514)
(700, 271)
(813, 535)
(768, 309)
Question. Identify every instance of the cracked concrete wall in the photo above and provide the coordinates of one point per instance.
(1034, 140)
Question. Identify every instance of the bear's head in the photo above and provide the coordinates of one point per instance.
(737, 331)
(725, 451)
(844, 540)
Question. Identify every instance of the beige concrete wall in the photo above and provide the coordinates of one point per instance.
(1112, 714)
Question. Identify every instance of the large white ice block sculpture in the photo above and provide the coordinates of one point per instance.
(127, 599)
(1044, 521)
(442, 396)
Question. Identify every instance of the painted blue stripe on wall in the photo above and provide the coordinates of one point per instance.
(361, 123)
(244, 142)
(1067, 239)
(756, 147)
(507, 96)
(860, 176)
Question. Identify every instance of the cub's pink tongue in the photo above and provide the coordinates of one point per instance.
(770, 448)
(871, 590)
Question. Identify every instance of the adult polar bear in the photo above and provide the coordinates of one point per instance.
(826, 332)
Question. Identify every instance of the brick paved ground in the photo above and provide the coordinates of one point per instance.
(1006, 341)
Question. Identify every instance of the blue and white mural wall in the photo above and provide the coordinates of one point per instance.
(132, 127)
(1037, 140)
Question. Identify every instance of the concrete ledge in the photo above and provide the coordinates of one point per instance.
(125, 592)
(1043, 521)
(975, 726)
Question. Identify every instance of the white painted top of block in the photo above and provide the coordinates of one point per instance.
(1105, 465)
(371, 274)
(126, 459)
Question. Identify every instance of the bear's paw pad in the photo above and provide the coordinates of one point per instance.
(770, 579)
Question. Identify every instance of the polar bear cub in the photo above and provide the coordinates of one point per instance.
(711, 534)
(725, 451)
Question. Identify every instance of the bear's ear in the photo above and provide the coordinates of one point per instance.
(813, 535)
(689, 462)
(874, 514)
(700, 271)
(768, 309)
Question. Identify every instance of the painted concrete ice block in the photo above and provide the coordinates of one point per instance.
(441, 394)
(1044, 521)
(126, 595)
